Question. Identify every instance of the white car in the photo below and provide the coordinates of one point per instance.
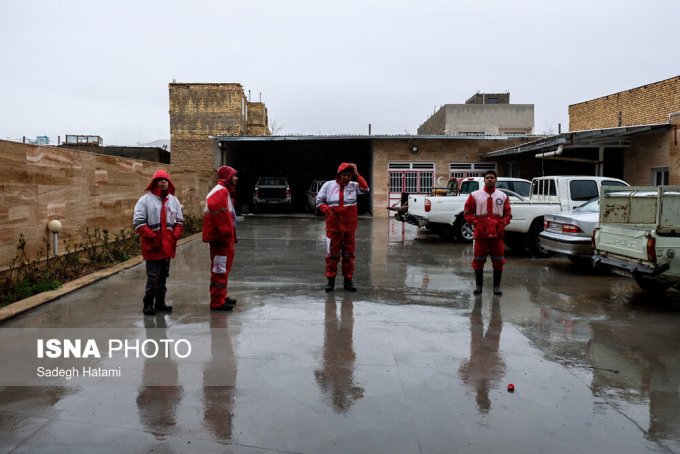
(570, 233)
(310, 204)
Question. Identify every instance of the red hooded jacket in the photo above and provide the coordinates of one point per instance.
(158, 220)
(339, 203)
(489, 212)
(219, 215)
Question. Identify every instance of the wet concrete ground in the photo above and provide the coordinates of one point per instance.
(411, 363)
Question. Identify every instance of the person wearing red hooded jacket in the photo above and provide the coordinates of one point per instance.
(337, 200)
(159, 222)
(488, 210)
(219, 230)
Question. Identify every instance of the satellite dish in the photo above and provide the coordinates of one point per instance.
(439, 181)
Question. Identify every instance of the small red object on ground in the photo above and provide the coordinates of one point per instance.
(511, 388)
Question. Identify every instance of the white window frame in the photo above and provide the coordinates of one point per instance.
(660, 175)
(470, 169)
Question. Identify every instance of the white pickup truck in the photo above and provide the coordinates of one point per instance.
(639, 235)
(551, 194)
(444, 214)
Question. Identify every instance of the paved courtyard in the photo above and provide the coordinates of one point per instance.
(411, 363)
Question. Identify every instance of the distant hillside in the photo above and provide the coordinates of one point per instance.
(160, 143)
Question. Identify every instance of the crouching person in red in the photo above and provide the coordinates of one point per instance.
(488, 210)
(337, 200)
(219, 229)
(159, 222)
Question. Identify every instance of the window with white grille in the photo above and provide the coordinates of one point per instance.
(411, 177)
(469, 169)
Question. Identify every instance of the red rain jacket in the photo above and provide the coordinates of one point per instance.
(219, 215)
(339, 203)
(158, 220)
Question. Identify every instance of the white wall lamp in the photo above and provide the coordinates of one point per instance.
(414, 149)
(54, 226)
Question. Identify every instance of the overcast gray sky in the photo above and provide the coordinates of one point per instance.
(102, 67)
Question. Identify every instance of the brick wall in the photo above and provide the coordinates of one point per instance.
(198, 111)
(257, 119)
(441, 152)
(81, 189)
(648, 104)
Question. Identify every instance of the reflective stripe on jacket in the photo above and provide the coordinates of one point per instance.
(341, 208)
(488, 224)
(219, 216)
(158, 243)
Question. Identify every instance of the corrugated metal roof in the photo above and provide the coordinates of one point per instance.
(368, 137)
(590, 138)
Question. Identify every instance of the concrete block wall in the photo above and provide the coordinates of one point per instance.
(651, 103)
(436, 124)
(199, 110)
(81, 189)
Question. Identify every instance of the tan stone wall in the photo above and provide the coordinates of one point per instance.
(81, 189)
(441, 152)
(649, 104)
(674, 150)
(198, 111)
(257, 119)
(647, 151)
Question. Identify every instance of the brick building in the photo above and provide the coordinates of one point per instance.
(632, 134)
(201, 110)
(649, 104)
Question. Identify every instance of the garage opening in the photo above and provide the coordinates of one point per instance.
(299, 160)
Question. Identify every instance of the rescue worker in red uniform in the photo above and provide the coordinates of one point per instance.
(337, 200)
(159, 222)
(219, 230)
(488, 210)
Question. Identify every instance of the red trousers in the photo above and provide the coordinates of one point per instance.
(221, 259)
(488, 246)
(340, 245)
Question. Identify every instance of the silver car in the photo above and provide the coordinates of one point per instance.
(570, 233)
(310, 204)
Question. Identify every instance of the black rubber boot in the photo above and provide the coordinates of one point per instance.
(160, 305)
(497, 274)
(347, 285)
(148, 306)
(331, 284)
(479, 282)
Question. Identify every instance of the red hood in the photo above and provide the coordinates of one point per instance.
(341, 168)
(225, 173)
(161, 174)
(345, 166)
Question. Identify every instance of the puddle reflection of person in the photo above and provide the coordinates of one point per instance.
(485, 367)
(160, 395)
(219, 380)
(336, 376)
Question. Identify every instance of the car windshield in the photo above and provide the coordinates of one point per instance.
(591, 205)
(272, 182)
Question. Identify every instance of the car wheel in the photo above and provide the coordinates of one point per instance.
(515, 242)
(650, 285)
(535, 243)
(463, 231)
(585, 263)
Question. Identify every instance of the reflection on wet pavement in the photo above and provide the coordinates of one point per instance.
(336, 376)
(485, 367)
(412, 362)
